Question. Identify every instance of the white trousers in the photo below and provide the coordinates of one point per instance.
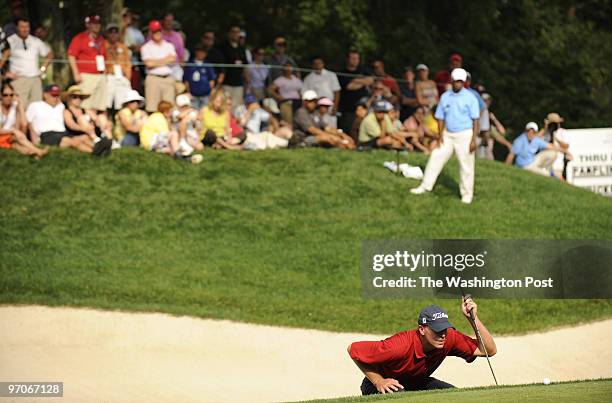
(543, 162)
(459, 142)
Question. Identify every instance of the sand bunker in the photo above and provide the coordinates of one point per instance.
(119, 357)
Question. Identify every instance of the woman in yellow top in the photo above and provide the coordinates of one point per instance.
(155, 134)
(216, 123)
(129, 120)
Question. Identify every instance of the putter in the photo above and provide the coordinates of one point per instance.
(479, 336)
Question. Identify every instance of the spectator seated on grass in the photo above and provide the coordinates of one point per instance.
(46, 125)
(199, 78)
(329, 124)
(554, 133)
(215, 123)
(532, 152)
(13, 125)
(155, 134)
(286, 90)
(129, 120)
(361, 110)
(263, 130)
(185, 119)
(377, 130)
(79, 122)
(422, 137)
(309, 129)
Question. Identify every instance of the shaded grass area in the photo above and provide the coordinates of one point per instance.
(267, 237)
(582, 391)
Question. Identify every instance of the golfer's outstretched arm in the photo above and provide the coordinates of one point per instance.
(382, 384)
(486, 337)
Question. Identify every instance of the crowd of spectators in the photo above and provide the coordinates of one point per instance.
(224, 95)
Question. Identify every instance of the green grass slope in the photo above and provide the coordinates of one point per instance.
(266, 237)
(582, 391)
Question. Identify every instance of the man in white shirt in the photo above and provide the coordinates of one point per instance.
(24, 68)
(46, 123)
(325, 83)
(158, 56)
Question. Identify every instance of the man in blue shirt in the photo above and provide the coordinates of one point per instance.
(199, 78)
(532, 152)
(457, 115)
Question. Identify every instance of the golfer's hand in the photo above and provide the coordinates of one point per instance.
(467, 306)
(388, 385)
(472, 146)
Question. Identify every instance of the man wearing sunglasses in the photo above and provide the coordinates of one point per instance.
(26, 50)
(279, 58)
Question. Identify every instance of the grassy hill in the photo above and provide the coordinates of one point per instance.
(584, 391)
(266, 237)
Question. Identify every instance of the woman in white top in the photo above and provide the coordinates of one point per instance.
(13, 123)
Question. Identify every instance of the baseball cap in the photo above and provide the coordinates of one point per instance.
(434, 317)
(53, 89)
(249, 99)
(93, 19)
(363, 101)
(325, 102)
(112, 25)
(554, 117)
(381, 106)
(309, 95)
(459, 74)
(486, 96)
(422, 67)
(183, 100)
(456, 57)
(532, 125)
(155, 26)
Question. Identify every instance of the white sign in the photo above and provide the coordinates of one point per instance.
(591, 167)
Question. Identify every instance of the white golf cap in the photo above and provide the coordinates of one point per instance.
(532, 125)
(309, 95)
(183, 100)
(459, 74)
(132, 95)
(422, 67)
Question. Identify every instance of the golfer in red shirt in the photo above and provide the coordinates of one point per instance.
(406, 360)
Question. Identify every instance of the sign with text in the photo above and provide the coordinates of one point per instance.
(591, 167)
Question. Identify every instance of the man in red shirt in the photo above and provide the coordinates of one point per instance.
(443, 77)
(86, 56)
(406, 360)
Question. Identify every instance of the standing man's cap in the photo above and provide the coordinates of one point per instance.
(434, 317)
(554, 117)
(155, 26)
(422, 67)
(309, 95)
(456, 57)
(532, 125)
(53, 89)
(459, 75)
(93, 19)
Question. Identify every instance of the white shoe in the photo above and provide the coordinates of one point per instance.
(466, 199)
(196, 158)
(418, 190)
(115, 145)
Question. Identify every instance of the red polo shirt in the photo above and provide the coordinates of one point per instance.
(84, 47)
(401, 356)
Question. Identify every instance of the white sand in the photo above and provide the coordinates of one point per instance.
(120, 357)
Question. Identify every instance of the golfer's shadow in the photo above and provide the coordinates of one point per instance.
(445, 180)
